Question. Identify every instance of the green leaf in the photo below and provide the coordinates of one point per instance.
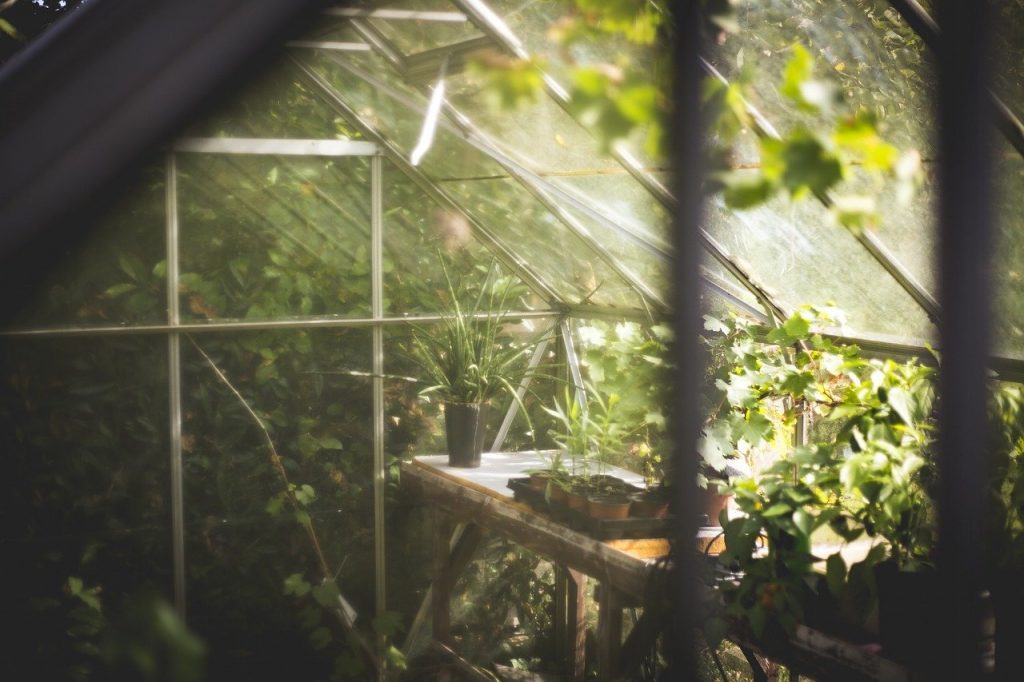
(903, 404)
(797, 327)
(327, 595)
(777, 509)
(320, 638)
(295, 584)
(388, 623)
(743, 191)
(119, 290)
(8, 28)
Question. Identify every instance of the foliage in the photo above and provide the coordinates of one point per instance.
(806, 160)
(469, 360)
(868, 476)
(630, 361)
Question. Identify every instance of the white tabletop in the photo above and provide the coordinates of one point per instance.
(497, 467)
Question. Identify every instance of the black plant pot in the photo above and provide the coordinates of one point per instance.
(464, 425)
(909, 611)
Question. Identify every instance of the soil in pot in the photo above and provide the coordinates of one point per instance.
(649, 504)
(608, 506)
(464, 425)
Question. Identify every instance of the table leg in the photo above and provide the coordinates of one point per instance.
(576, 630)
(609, 632)
(441, 584)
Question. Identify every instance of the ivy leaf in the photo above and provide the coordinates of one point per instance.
(743, 191)
(295, 584)
(388, 623)
(326, 595)
(804, 164)
(797, 383)
(320, 638)
(755, 428)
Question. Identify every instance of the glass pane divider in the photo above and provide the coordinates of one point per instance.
(273, 147)
(174, 389)
(377, 308)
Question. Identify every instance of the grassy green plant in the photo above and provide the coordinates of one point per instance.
(469, 359)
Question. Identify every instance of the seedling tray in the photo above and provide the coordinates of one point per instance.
(599, 529)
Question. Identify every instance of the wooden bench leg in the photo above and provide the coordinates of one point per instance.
(609, 632)
(576, 630)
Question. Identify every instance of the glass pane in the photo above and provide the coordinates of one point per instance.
(265, 237)
(396, 111)
(418, 237)
(494, 200)
(114, 275)
(1008, 309)
(312, 391)
(864, 47)
(276, 104)
(84, 435)
(540, 134)
(796, 250)
(546, 243)
(1009, 75)
(417, 35)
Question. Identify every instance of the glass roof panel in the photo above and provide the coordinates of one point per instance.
(384, 103)
(555, 253)
(546, 244)
(418, 237)
(277, 104)
(539, 134)
(861, 46)
(1008, 77)
(803, 257)
(264, 237)
(413, 35)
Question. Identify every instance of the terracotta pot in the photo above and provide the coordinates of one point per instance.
(576, 500)
(558, 493)
(608, 507)
(539, 481)
(464, 429)
(712, 503)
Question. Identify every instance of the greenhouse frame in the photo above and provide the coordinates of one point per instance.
(213, 391)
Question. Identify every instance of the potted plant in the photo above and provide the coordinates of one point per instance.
(468, 362)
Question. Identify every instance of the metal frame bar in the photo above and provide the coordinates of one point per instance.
(524, 385)
(328, 45)
(572, 361)
(377, 309)
(272, 147)
(504, 254)
(424, 66)
(247, 325)
(396, 14)
(966, 223)
(174, 389)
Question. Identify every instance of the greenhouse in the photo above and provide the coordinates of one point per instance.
(392, 355)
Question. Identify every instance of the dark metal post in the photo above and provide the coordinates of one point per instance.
(965, 227)
(686, 134)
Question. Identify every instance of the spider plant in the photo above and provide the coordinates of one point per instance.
(468, 359)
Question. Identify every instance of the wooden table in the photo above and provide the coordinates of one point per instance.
(628, 570)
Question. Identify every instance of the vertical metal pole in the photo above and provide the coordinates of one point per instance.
(965, 229)
(174, 383)
(687, 141)
(377, 308)
(524, 385)
(573, 362)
